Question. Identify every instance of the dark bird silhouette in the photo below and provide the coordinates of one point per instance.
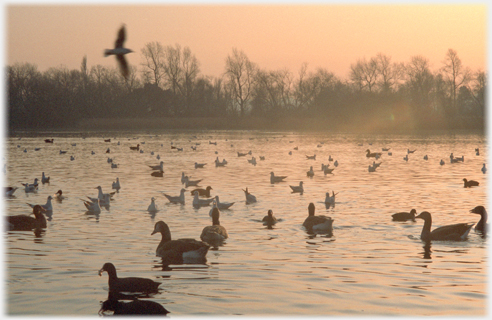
(470, 183)
(453, 232)
(269, 220)
(404, 216)
(482, 224)
(215, 233)
(135, 148)
(119, 51)
(135, 307)
(26, 223)
(158, 174)
(131, 284)
(317, 224)
(48, 140)
(202, 192)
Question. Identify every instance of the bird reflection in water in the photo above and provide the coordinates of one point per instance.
(134, 307)
(427, 250)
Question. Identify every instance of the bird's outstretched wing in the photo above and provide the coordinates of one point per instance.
(123, 65)
(121, 38)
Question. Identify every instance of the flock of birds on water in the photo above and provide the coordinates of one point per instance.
(177, 251)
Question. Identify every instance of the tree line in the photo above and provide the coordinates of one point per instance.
(168, 83)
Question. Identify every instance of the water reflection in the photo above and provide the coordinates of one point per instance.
(135, 307)
(427, 250)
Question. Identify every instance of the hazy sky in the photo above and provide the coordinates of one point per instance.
(274, 36)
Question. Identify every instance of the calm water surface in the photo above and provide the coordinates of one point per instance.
(370, 266)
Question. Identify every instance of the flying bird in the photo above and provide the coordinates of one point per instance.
(119, 51)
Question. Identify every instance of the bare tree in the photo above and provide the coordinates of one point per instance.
(153, 63)
(364, 74)
(389, 74)
(240, 72)
(456, 74)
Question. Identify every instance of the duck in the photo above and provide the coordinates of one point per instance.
(116, 185)
(370, 154)
(222, 205)
(441, 162)
(59, 196)
(197, 202)
(249, 197)
(274, 179)
(177, 199)
(310, 173)
(335, 163)
(92, 206)
(131, 284)
(313, 157)
(44, 179)
(298, 189)
(317, 224)
(202, 192)
(404, 216)
(157, 174)
(484, 169)
(137, 148)
(134, 307)
(330, 200)
(214, 233)
(9, 191)
(152, 206)
(180, 250)
(199, 165)
(48, 140)
(482, 224)
(48, 207)
(454, 232)
(470, 183)
(269, 219)
(27, 223)
(159, 167)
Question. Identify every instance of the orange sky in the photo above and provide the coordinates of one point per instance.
(273, 36)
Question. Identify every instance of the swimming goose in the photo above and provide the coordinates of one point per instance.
(135, 148)
(27, 223)
(484, 169)
(298, 189)
(249, 197)
(199, 165)
(116, 184)
(404, 216)
(119, 51)
(152, 206)
(178, 251)
(131, 284)
(269, 220)
(135, 307)
(317, 224)
(160, 166)
(222, 205)
(310, 173)
(202, 192)
(330, 200)
(470, 183)
(9, 191)
(59, 196)
(177, 199)
(45, 179)
(482, 224)
(215, 233)
(47, 207)
(274, 179)
(92, 206)
(454, 232)
(313, 157)
(197, 202)
(370, 154)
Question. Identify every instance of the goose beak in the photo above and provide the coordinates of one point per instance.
(100, 272)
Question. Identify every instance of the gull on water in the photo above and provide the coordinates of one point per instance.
(177, 199)
(199, 165)
(197, 202)
(152, 206)
(48, 206)
(116, 184)
(274, 179)
(160, 166)
(298, 189)
(249, 197)
(222, 205)
(119, 51)
(45, 179)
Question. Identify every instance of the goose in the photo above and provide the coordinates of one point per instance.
(44, 179)
(131, 284)
(310, 173)
(59, 196)
(158, 174)
(27, 223)
(202, 192)
(249, 197)
(116, 184)
(482, 224)
(215, 233)
(192, 183)
(222, 205)
(317, 224)
(269, 220)
(180, 250)
(197, 202)
(137, 148)
(119, 51)
(298, 189)
(134, 307)
(274, 179)
(48, 207)
(152, 206)
(454, 232)
(373, 154)
(9, 191)
(92, 206)
(177, 199)
(484, 169)
(199, 165)
(160, 166)
(404, 216)
(330, 199)
(470, 183)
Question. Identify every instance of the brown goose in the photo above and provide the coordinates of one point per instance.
(317, 224)
(482, 224)
(214, 233)
(470, 183)
(370, 154)
(131, 284)
(178, 250)
(453, 232)
(404, 216)
(26, 223)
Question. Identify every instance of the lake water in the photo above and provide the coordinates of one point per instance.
(370, 266)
